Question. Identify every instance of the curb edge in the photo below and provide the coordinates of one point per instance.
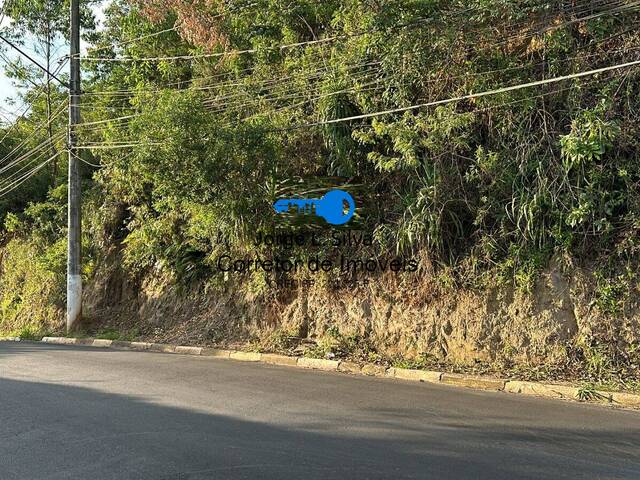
(476, 382)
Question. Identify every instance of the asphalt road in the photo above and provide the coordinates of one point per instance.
(87, 413)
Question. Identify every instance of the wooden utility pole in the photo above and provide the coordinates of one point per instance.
(74, 280)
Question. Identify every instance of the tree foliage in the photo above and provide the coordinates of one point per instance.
(493, 182)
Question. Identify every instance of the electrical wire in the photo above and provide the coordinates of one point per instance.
(163, 87)
(228, 107)
(616, 9)
(114, 145)
(491, 107)
(276, 82)
(39, 148)
(26, 110)
(470, 96)
(358, 88)
(28, 161)
(32, 60)
(5, 190)
(37, 129)
(281, 97)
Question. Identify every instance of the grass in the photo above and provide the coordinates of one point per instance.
(632, 386)
(420, 363)
(113, 334)
(589, 393)
(28, 332)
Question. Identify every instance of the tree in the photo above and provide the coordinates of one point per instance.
(46, 22)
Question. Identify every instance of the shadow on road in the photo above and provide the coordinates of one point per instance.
(62, 432)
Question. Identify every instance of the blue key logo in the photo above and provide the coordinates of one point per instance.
(337, 207)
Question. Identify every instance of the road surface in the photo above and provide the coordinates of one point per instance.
(87, 413)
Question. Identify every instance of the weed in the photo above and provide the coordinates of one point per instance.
(610, 293)
(113, 334)
(588, 393)
(281, 340)
(423, 361)
(29, 332)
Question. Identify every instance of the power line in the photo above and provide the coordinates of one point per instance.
(35, 62)
(174, 28)
(113, 145)
(226, 106)
(16, 66)
(37, 129)
(276, 81)
(161, 88)
(277, 98)
(470, 96)
(259, 84)
(141, 37)
(40, 147)
(203, 55)
(26, 110)
(5, 190)
(289, 92)
(531, 33)
(108, 120)
(96, 125)
(616, 9)
(167, 30)
(31, 157)
(108, 145)
(238, 52)
(358, 88)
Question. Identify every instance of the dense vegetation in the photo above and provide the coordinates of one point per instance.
(180, 149)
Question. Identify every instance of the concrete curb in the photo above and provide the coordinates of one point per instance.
(542, 390)
(162, 348)
(547, 390)
(188, 350)
(215, 352)
(275, 359)
(473, 381)
(318, 364)
(245, 356)
(415, 375)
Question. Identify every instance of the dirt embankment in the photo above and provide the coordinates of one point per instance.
(386, 320)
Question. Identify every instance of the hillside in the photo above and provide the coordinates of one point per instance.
(491, 148)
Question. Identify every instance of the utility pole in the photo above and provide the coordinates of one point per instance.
(74, 280)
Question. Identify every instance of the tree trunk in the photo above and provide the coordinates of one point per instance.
(54, 153)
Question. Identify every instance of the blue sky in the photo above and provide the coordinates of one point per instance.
(6, 87)
(9, 100)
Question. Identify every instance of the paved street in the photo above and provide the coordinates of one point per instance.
(86, 413)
